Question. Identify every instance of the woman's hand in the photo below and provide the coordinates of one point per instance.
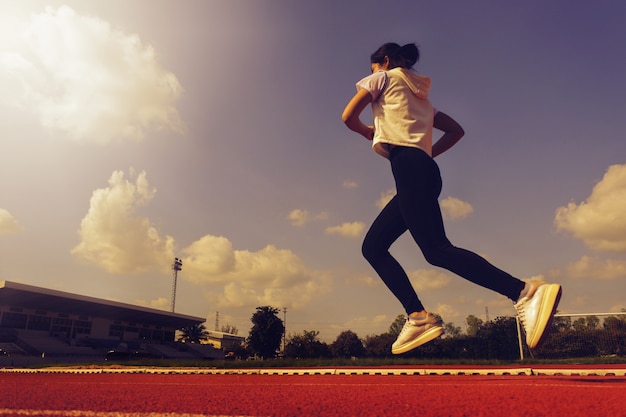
(370, 134)
(453, 132)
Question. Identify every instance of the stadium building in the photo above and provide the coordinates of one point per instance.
(59, 326)
(224, 341)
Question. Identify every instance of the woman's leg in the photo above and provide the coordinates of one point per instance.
(386, 229)
(418, 184)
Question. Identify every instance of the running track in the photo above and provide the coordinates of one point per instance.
(138, 392)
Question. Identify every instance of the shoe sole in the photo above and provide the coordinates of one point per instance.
(546, 315)
(427, 336)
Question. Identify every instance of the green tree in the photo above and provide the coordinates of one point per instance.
(347, 345)
(579, 324)
(497, 339)
(613, 323)
(242, 351)
(266, 333)
(193, 334)
(306, 345)
(473, 325)
(396, 327)
(230, 329)
(379, 346)
(438, 318)
(562, 324)
(451, 331)
(592, 322)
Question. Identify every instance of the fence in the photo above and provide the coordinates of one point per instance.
(598, 335)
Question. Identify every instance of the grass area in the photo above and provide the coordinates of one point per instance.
(335, 362)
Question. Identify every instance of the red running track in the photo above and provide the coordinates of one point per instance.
(182, 395)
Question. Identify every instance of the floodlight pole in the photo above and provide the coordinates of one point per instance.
(176, 266)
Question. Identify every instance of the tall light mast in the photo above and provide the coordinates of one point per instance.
(176, 266)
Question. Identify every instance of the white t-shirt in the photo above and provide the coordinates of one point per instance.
(403, 115)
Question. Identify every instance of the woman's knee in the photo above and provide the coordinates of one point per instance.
(366, 250)
(371, 250)
(436, 256)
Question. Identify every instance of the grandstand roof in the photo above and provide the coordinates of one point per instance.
(223, 335)
(27, 296)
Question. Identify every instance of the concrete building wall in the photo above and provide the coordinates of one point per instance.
(76, 327)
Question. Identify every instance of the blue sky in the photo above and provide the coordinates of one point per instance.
(134, 132)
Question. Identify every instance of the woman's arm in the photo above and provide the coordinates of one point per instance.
(452, 133)
(352, 112)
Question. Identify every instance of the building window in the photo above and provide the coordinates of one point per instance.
(82, 323)
(14, 320)
(61, 326)
(39, 323)
(82, 327)
(144, 334)
(81, 330)
(115, 330)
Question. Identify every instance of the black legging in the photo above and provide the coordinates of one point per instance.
(415, 207)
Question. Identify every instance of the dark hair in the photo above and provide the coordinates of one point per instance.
(399, 56)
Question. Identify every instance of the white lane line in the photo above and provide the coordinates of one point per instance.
(87, 413)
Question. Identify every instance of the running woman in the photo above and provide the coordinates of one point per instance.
(402, 133)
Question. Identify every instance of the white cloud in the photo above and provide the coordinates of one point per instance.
(385, 198)
(600, 220)
(209, 259)
(364, 281)
(452, 208)
(350, 184)
(354, 229)
(362, 325)
(581, 302)
(298, 217)
(270, 276)
(322, 216)
(160, 303)
(8, 224)
(114, 238)
(85, 78)
(428, 279)
(447, 312)
(593, 268)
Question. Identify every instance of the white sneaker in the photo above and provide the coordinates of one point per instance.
(415, 333)
(536, 310)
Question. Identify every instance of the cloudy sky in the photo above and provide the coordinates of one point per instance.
(133, 132)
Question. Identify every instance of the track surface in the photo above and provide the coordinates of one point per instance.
(450, 393)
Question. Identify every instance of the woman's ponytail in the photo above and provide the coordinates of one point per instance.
(399, 56)
(408, 55)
